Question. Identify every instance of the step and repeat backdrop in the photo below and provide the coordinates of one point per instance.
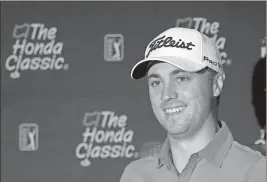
(69, 109)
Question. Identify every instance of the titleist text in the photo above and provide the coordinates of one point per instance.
(168, 42)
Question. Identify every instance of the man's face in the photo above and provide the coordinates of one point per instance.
(181, 101)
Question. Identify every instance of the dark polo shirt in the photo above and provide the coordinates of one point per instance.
(222, 160)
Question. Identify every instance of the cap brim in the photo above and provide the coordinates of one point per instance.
(139, 70)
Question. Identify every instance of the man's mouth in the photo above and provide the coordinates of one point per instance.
(174, 110)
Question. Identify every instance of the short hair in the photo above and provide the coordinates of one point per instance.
(207, 69)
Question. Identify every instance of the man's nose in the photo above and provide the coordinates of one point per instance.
(169, 92)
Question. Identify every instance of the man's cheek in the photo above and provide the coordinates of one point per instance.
(155, 95)
(194, 91)
(189, 94)
(156, 104)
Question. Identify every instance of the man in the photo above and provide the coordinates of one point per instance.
(185, 77)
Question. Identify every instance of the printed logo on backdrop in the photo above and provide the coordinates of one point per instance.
(105, 136)
(210, 29)
(151, 148)
(263, 47)
(28, 137)
(35, 48)
(113, 47)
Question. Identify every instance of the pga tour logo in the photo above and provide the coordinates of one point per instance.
(113, 47)
(35, 48)
(28, 137)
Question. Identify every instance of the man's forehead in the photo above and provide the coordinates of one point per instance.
(162, 67)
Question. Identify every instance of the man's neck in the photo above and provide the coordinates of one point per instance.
(182, 149)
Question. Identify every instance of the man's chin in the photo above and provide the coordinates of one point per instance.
(177, 132)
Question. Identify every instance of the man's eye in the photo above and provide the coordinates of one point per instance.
(182, 78)
(155, 83)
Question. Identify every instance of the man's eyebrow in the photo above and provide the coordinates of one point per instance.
(175, 72)
(153, 75)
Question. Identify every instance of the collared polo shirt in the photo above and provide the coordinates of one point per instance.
(222, 160)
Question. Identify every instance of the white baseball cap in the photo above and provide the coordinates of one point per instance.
(185, 48)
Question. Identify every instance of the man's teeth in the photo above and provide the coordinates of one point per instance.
(174, 110)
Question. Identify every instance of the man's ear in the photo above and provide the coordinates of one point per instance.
(218, 81)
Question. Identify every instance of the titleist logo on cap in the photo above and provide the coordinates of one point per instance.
(169, 42)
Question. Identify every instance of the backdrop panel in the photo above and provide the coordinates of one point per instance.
(69, 110)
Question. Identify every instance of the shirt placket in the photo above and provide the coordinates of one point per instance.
(188, 170)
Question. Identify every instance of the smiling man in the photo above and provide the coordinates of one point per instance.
(185, 78)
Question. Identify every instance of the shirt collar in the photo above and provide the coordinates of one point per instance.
(214, 152)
